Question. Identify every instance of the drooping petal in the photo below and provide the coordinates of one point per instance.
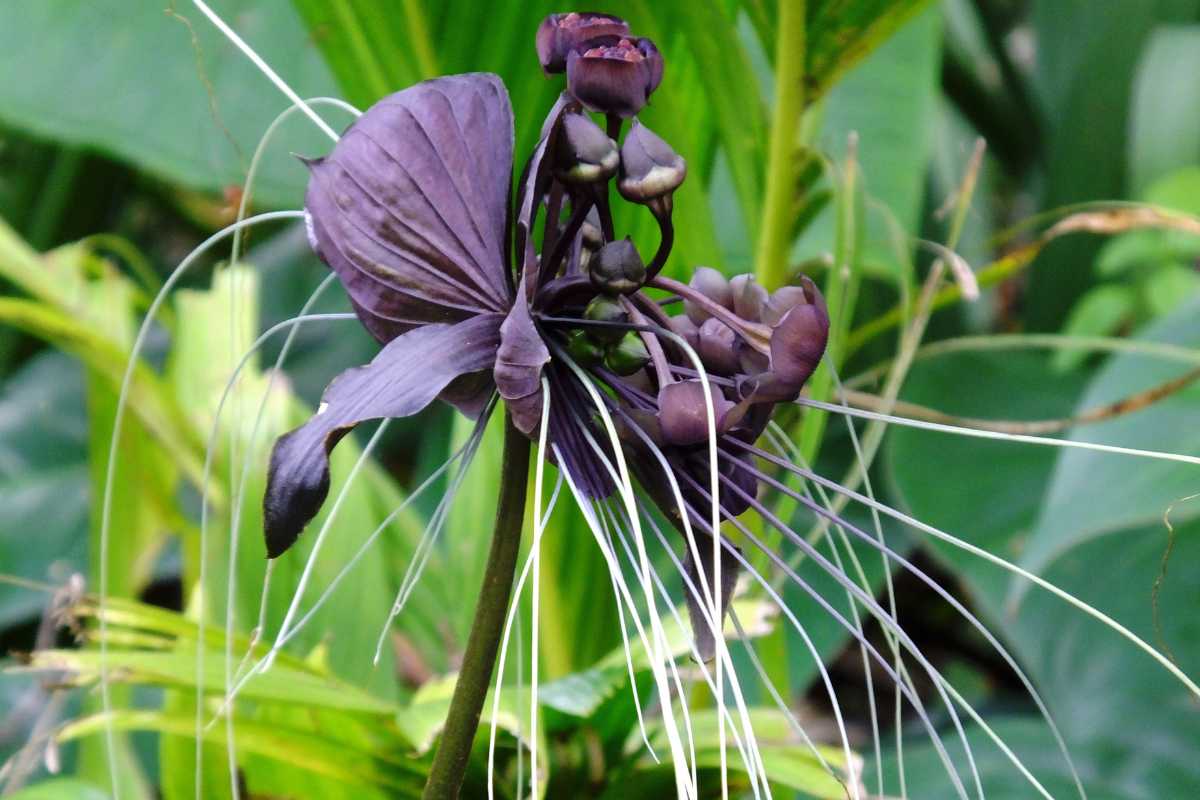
(405, 377)
(519, 363)
(410, 208)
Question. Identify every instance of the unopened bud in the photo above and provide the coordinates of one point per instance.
(605, 309)
(586, 154)
(627, 356)
(617, 268)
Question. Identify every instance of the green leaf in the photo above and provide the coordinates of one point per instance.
(43, 478)
(1134, 493)
(125, 78)
(1120, 713)
(1164, 126)
(1100, 312)
(61, 789)
(842, 32)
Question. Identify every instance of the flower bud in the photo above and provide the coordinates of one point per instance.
(785, 298)
(617, 268)
(614, 74)
(650, 169)
(718, 347)
(593, 237)
(749, 297)
(605, 309)
(683, 413)
(559, 34)
(627, 356)
(712, 285)
(585, 153)
(684, 327)
(583, 349)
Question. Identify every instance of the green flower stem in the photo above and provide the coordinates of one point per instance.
(475, 677)
(775, 235)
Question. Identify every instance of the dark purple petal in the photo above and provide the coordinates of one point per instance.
(613, 75)
(798, 341)
(405, 377)
(559, 34)
(410, 208)
(519, 363)
(713, 285)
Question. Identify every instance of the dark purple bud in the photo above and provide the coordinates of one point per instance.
(627, 356)
(718, 347)
(605, 309)
(617, 268)
(714, 286)
(650, 169)
(614, 74)
(799, 340)
(749, 297)
(782, 300)
(684, 327)
(586, 154)
(559, 34)
(683, 413)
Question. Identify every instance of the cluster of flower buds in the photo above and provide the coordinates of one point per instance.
(764, 345)
(608, 69)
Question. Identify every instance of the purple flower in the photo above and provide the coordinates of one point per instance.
(560, 34)
(412, 210)
(614, 74)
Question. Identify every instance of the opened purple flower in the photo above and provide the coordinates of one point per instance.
(412, 211)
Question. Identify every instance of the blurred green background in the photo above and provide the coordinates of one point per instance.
(126, 132)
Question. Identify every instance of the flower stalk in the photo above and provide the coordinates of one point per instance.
(775, 236)
(475, 677)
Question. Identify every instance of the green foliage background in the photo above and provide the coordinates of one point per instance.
(124, 126)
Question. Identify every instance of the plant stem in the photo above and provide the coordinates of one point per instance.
(475, 677)
(775, 236)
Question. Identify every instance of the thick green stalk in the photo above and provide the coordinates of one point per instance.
(475, 676)
(775, 235)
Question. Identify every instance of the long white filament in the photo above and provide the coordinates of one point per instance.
(114, 451)
(1006, 437)
(682, 780)
(536, 553)
(755, 757)
(1091, 611)
(263, 67)
(291, 325)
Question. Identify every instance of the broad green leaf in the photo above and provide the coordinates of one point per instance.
(1135, 493)
(309, 752)
(1164, 126)
(1100, 312)
(1120, 712)
(43, 480)
(842, 32)
(894, 142)
(126, 79)
(61, 789)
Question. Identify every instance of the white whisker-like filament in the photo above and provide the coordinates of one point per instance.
(975, 550)
(111, 467)
(625, 487)
(290, 325)
(265, 69)
(1006, 437)
(682, 780)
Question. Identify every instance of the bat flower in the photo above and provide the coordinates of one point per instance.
(412, 210)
